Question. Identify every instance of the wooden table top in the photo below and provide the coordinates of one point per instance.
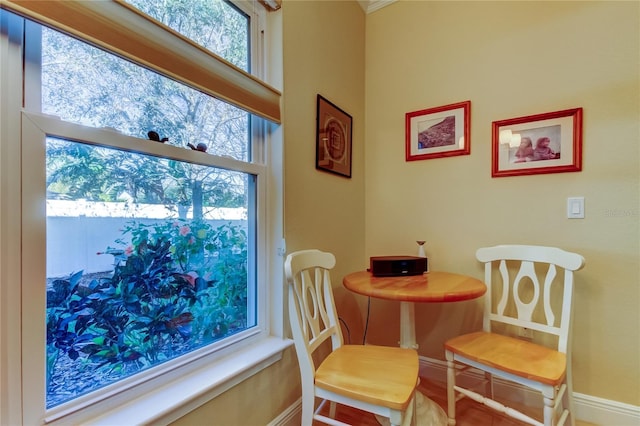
(432, 286)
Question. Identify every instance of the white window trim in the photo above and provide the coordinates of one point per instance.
(169, 403)
(182, 394)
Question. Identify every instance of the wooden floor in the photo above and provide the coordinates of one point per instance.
(469, 413)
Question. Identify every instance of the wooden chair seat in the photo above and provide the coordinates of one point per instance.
(379, 375)
(515, 356)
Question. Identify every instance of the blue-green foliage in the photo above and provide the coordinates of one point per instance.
(178, 286)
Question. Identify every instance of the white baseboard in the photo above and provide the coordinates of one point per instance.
(289, 417)
(599, 411)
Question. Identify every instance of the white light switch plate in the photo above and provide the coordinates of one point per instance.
(575, 207)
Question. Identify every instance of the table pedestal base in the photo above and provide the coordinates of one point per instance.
(428, 413)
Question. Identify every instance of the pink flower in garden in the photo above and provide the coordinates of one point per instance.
(184, 230)
(191, 241)
(192, 277)
(128, 251)
(189, 277)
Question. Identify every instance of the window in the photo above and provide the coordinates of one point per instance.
(108, 91)
(148, 213)
(135, 282)
(218, 26)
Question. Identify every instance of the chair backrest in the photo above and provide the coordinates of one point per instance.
(312, 311)
(520, 299)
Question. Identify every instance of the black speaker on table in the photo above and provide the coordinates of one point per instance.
(394, 266)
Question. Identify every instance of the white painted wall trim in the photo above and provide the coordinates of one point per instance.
(289, 417)
(372, 5)
(590, 409)
(605, 411)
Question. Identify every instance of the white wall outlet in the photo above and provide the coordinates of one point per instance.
(525, 332)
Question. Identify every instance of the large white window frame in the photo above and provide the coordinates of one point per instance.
(22, 252)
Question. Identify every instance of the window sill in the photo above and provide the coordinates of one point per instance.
(169, 403)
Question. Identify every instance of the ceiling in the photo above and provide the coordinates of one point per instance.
(373, 5)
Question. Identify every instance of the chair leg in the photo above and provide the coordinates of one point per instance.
(549, 398)
(451, 393)
(332, 409)
(308, 404)
(558, 415)
(488, 377)
(549, 412)
(308, 409)
(567, 399)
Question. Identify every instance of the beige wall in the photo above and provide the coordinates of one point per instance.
(256, 401)
(512, 59)
(323, 53)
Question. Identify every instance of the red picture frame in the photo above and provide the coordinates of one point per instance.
(537, 144)
(438, 132)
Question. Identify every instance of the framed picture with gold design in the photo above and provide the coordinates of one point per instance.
(333, 138)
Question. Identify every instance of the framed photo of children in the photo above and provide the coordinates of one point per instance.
(333, 138)
(537, 144)
(438, 132)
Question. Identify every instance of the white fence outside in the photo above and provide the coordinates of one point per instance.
(78, 231)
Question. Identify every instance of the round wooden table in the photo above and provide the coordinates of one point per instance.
(430, 287)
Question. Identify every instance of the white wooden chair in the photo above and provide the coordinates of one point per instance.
(520, 299)
(378, 379)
